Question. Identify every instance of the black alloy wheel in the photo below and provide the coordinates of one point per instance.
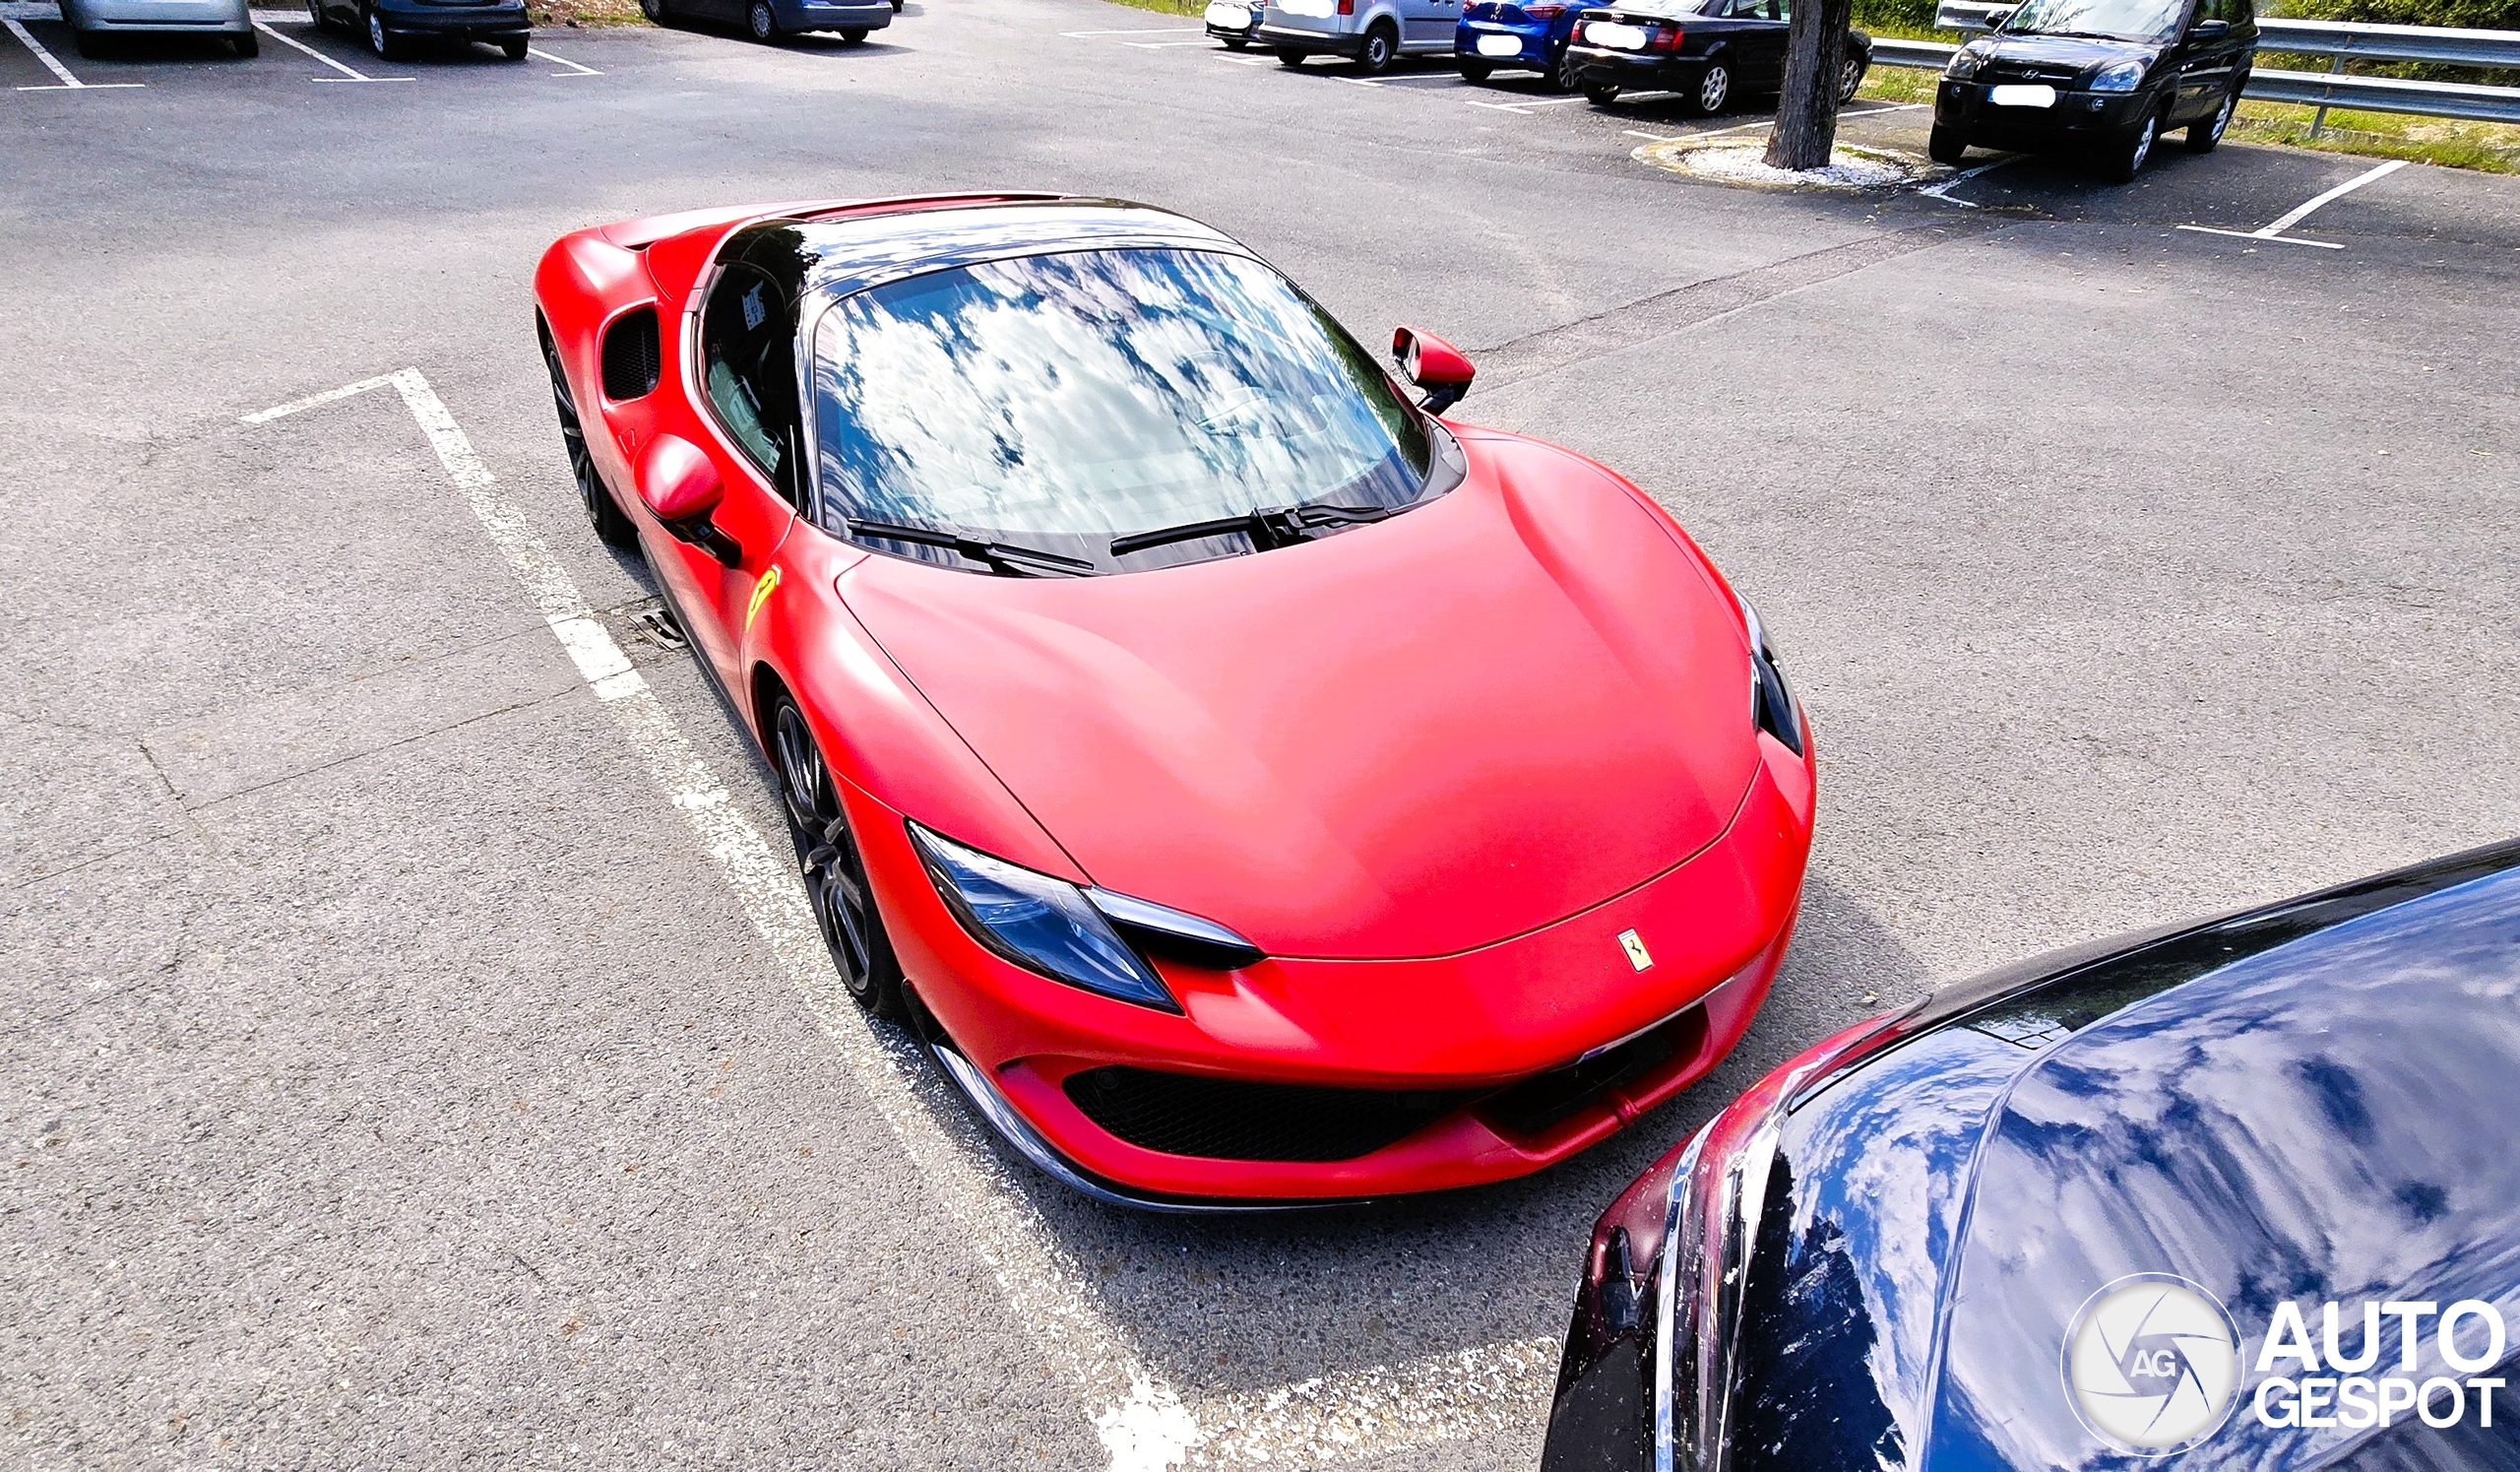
(1849, 78)
(2119, 162)
(762, 21)
(1382, 47)
(835, 872)
(1566, 72)
(614, 528)
(1714, 90)
(2206, 132)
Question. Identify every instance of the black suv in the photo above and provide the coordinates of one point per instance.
(2102, 78)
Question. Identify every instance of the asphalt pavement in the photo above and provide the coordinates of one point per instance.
(405, 1061)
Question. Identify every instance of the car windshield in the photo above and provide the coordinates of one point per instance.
(2116, 20)
(1057, 402)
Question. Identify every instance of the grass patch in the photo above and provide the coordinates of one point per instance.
(1168, 7)
(2452, 143)
(584, 13)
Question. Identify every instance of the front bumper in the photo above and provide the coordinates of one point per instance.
(1479, 1022)
(1531, 52)
(1232, 22)
(2077, 118)
(802, 15)
(472, 23)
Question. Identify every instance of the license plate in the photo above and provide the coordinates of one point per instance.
(1500, 46)
(2023, 97)
(1228, 17)
(1614, 35)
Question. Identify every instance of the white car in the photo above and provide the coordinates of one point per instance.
(93, 21)
(1374, 33)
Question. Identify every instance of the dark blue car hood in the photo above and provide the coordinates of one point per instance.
(2328, 1119)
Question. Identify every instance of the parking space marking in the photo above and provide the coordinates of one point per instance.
(1141, 30)
(68, 83)
(347, 74)
(1203, 41)
(2302, 212)
(1142, 1421)
(1942, 191)
(1525, 108)
(573, 70)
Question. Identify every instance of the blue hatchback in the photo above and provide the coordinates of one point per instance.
(1497, 33)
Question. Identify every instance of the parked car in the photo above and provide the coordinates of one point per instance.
(767, 21)
(1252, 785)
(1497, 34)
(1881, 1255)
(94, 23)
(1709, 52)
(1234, 22)
(2101, 78)
(1373, 32)
(390, 26)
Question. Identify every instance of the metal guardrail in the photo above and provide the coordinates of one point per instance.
(2341, 40)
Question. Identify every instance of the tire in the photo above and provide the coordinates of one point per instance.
(381, 41)
(2204, 133)
(90, 45)
(612, 526)
(1477, 71)
(655, 11)
(1566, 72)
(1289, 56)
(855, 36)
(761, 21)
(1714, 90)
(248, 46)
(2119, 160)
(1237, 42)
(316, 12)
(1945, 145)
(897, 7)
(1601, 93)
(1850, 78)
(514, 50)
(835, 872)
(1380, 51)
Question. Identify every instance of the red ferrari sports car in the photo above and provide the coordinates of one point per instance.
(1254, 788)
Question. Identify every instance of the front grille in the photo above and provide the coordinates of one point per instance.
(1223, 1119)
(2026, 71)
(1531, 1106)
(630, 355)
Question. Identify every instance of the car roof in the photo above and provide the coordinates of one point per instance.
(848, 250)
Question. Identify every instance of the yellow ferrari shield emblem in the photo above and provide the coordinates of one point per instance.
(1634, 944)
(760, 594)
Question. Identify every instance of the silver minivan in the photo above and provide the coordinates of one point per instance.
(1375, 33)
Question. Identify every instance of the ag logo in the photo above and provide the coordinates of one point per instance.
(2150, 1364)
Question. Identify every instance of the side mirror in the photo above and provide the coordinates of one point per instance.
(680, 484)
(1434, 366)
(2209, 31)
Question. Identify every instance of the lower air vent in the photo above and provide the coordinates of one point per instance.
(1218, 1118)
(630, 360)
(1531, 1106)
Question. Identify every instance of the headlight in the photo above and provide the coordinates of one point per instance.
(1773, 708)
(1039, 922)
(1964, 65)
(2124, 76)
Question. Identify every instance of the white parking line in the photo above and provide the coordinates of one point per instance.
(68, 83)
(1942, 191)
(348, 75)
(1525, 108)
(2296, 215)
(1141, 30)
(573, 70)
(1143, 1422)
(1203, 41)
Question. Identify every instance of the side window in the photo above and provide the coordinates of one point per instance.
(748, 370)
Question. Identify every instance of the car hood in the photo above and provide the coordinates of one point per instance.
(2324, 1120)
(2059, 54)
(1410, 738)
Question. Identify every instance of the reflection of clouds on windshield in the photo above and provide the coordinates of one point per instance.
(2326, 1120)
(1096, 393)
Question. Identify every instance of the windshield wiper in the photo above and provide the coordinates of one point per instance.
(1274, 527)
(1004, 556)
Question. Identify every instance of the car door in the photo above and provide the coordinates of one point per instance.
(1752, 41)
(746, 366)
(1428, 23)
(2207, 56)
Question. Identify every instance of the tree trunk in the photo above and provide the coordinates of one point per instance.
(1806, 113)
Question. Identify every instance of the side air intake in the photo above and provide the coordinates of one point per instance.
(630, 357)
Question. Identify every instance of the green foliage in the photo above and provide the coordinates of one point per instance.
(2482, 15)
